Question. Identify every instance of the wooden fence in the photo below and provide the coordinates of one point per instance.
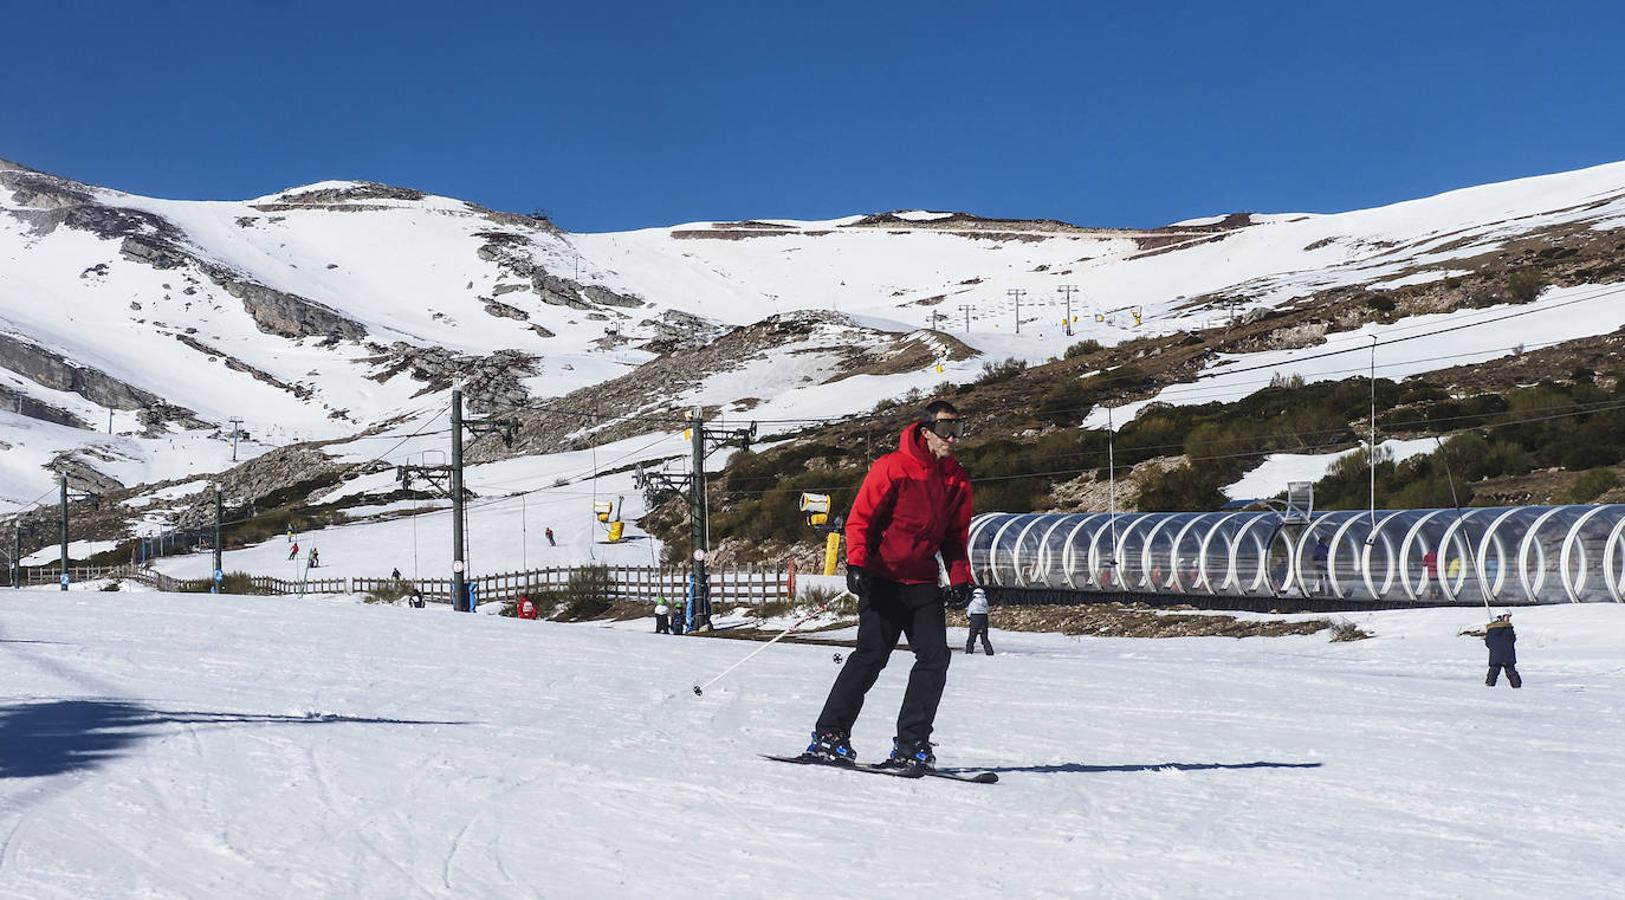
(730, 585)
(76, 574)
(738, 585)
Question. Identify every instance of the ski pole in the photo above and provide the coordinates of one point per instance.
(699, 689)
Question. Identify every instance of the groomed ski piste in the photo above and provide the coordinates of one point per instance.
(158, 745)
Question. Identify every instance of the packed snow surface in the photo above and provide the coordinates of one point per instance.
(192, 746)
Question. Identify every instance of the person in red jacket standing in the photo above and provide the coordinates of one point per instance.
(915, 503)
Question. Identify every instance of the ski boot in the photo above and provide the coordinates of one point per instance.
(832, 747)
(911, 755)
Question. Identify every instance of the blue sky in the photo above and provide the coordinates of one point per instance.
(623, 115)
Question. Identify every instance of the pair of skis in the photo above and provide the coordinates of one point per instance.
(808, 759)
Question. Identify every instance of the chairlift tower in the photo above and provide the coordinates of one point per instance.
(66, 495)
(657, 485)
(453, 473)
(1068, 290)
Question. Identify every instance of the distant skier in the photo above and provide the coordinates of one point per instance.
(293, 553)
(977, 611)
(1502, 641)
(315, 557)
(290, 534)
(914, 503)
(662, 616)
(415, 599)
(549, 533)
(1430, 573)
(395, 574)
(678, 620)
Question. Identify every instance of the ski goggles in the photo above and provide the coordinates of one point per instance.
(946, 428)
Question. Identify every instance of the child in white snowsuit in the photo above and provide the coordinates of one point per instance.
(977, 611)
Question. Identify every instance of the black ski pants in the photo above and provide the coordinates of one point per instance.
(891, 610)
(662, 623)
(1513, 678)
(978, 626)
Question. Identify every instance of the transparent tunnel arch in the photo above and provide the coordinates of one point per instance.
(1500, 555)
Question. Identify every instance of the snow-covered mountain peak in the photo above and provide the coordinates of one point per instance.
(326, 309)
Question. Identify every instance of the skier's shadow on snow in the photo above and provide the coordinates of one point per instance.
(1081, 768)
(59, 736)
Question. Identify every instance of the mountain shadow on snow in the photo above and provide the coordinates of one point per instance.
(57, 736)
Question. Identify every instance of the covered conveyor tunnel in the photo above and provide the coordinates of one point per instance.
(1498, 555)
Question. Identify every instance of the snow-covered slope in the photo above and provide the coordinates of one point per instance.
(193, 746)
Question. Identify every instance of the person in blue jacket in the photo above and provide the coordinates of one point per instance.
(1502, 641)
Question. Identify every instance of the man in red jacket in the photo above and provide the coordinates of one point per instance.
(914, 504)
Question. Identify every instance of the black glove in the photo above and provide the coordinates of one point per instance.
(956, 597)
(859, 582)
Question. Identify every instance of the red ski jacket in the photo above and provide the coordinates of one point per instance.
(911, 506)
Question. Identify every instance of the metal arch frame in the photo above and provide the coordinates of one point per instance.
(1493, 533)
(1093, 556)
(1282, 535)
(1405, 554)
(1392, 555)
(1571, 542)
(1530, 592)
(1146, 562)
(1614, 585)
(1262, 575)
(1145, 575)
(993, 549)
(1202, 551)
(1201, 559)
(1015, 548)
(1331, 556)
(1312, 527)
(1044, 554)
(1069, 555)
(979, 526)
(1447, 542)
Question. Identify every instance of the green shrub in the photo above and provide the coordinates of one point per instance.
(546, 599)
(237, 583)
(1592, 484)
(586, 594)
(1380, 302)
(1083, 348)
(1180, 488)
(1524, 285)
(837, 600)
(388, 593)
(995, 372)
(233, 583)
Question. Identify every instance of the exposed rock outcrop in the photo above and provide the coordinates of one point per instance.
(24, 405)
(365, 190)
(50, 369)
(490, 383)
(511, 253)
(298, 390)
(41, 191)
(675, 328)
(150, 252)
(281, 313)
